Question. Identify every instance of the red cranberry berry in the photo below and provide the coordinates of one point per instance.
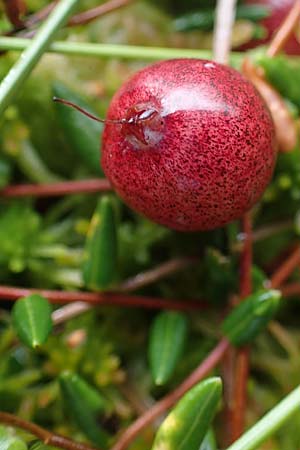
(189, 143)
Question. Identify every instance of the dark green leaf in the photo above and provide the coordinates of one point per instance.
(32, 320)
(84, 403)
(251, 316)
(167, 337)
(101, 252)
(82, 132)
(187, 424)
(5, 172)
(204, 20)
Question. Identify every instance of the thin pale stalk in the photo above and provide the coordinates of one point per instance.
(29, 58)
(169, 400)
(269, 424)
(113, 51)
(225, 15)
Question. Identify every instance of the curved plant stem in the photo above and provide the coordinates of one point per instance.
(269, 424)
(112, 50)
(57, 189)
(104, 299)
(169, 400)
(44, 435)
(225, 15)
(20, 71)
(285, 270)
(238, 402)
(286, 29)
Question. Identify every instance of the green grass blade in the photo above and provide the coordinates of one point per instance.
(269, 424)
(35, 49)
(115, 51)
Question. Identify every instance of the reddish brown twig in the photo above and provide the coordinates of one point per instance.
(14, 10)
(285, 31)
(169, 400)
(141, 280)
(291, 289)
(103, 299)
(57, 189)
(238, 401)
(39, 15)
(157, 273)
(78, 19)
(246, 257)
(286, 269)
(98, 11)
(44, 435)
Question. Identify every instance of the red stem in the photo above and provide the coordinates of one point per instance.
(57, 189)
(238, 401)
(169, 400)
(285, 270)
(291, 289)
(44, 435)
(103, 298)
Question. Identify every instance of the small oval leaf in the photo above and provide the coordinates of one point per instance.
(31, 318)
(101, 252)
(187, 424)
(251, 316)
(84, 403)
(166, 344)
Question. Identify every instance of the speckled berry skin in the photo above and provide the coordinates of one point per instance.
(279, 10)
(205, 156)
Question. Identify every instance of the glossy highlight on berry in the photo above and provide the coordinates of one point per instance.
(197, 149)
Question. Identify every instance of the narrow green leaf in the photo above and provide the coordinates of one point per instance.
(269, 424)
(82, 133)
(10, 442)
(101, 251)
(32, 320)
(167, 337)
(209, 442)
(84, 403)
(187, 424)
(15, 78)
(251, 316)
